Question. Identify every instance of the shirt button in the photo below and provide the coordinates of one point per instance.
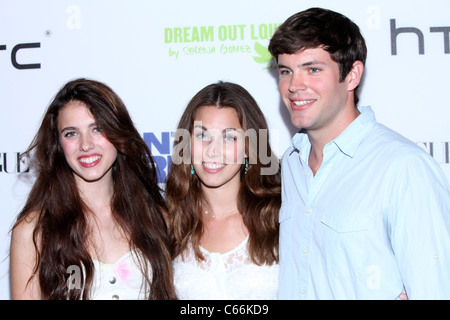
(115, 297)
(303, 291)
(112, 280)
(305, 251)
(309, 210)
(307, 173)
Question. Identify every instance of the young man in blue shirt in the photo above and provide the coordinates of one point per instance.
(366, 212)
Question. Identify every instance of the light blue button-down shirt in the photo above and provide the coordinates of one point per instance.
(373, 221)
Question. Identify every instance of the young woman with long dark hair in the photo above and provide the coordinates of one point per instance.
(223, 194)
(93, 226)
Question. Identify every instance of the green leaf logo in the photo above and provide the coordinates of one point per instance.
(264, 54)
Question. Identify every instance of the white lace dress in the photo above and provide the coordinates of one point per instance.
(224, 276)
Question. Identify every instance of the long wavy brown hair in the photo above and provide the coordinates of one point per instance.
(259, 198)
(61, 235)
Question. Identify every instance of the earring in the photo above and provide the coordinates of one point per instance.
(246, 166)
(192, 170)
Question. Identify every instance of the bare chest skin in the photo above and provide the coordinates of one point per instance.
(223, 234)
(108, 241)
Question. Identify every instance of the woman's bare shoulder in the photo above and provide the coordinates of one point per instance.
(23, 230)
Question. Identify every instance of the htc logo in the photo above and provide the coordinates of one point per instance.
(395, 32)
(21, 65)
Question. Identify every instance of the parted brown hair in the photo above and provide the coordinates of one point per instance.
(61, 234)
(318, 27)
(259, 197)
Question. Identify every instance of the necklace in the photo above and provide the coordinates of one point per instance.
(223, 215)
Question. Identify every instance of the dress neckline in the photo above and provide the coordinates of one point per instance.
(122, 257)
(238, 247)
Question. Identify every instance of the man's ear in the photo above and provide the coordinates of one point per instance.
(355, 75)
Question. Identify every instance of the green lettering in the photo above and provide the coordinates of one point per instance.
(195, 35)
(168, 35)
(252, 29)
(186, 34)
(232, 33)
(263, 31)
(222, 33)
(207, 33)
(241, 27)
(177, 35)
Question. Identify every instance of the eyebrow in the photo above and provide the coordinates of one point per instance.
(94, 124)
(306, 64)
(200, 127)
(205, 129)
(68, 129)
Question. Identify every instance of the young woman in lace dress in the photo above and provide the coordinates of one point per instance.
(93, 226)
(223, 194)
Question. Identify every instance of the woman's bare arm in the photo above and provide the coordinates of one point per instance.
(24, 284)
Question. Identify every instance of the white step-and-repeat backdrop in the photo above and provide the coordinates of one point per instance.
(157, 54)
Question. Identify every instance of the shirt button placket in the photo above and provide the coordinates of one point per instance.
(308, 220)
(113, 280)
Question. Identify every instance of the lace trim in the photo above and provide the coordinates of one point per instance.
(231, 260)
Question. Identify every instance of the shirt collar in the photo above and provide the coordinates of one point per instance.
(348, 141)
